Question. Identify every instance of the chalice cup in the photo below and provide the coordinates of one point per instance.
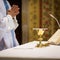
(40, 32)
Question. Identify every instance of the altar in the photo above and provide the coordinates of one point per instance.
(28, 51)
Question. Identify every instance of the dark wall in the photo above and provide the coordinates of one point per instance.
(19, 29)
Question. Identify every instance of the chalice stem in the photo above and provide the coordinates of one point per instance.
(40, 42)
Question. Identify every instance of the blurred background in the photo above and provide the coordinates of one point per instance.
(35, 14)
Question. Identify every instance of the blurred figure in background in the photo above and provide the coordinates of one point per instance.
(8, 24)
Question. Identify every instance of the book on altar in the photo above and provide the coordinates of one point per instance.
(55, 38)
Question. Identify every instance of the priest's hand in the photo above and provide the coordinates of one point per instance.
(14, 11)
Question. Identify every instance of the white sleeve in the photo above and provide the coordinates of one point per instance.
(15, 23)
(6, 24)
(9, 22)
(2, 27)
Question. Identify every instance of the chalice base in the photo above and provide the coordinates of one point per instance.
(42, 45)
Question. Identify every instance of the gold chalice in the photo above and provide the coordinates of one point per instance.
(40, 32)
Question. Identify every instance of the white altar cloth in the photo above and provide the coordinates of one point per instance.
(29, 52)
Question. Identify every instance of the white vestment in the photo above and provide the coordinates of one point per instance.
(7, 24)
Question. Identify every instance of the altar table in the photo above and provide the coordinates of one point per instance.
(28, 51)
